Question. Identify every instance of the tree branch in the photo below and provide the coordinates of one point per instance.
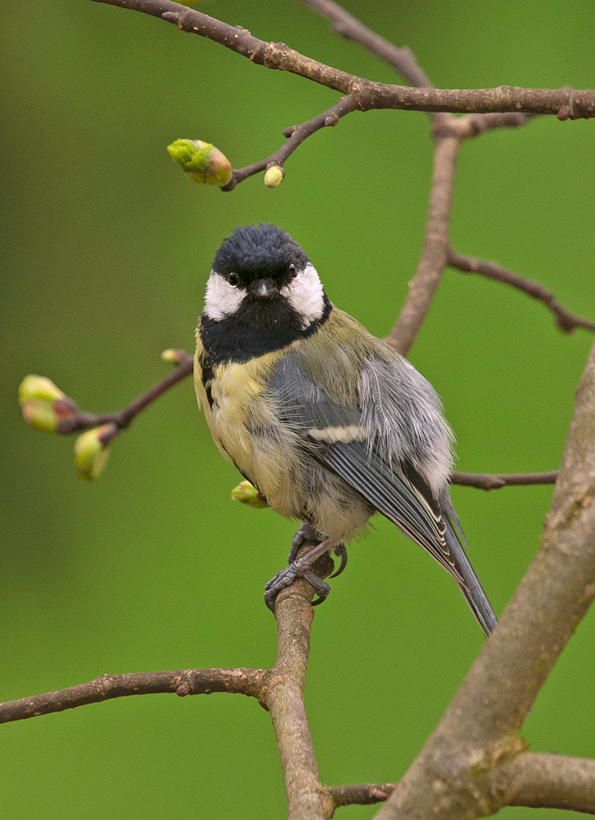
(547, 781)
(296, 134)
(479, 729)
(565, 103)
(565, 319)
(362, 794)
(448, 135)
(123, 418)
(487, 481)
(181, 682)
(279, 690)
(351, 28)
(434, 254)
(536, 780)
(283, 694)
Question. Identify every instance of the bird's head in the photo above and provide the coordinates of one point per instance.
(260, 271)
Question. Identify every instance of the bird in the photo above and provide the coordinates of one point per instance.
(328, 422)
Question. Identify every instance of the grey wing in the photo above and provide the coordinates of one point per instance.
(337, 438)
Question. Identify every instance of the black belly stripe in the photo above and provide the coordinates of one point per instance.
(206, 376)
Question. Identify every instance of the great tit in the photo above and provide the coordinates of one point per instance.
(327, 421)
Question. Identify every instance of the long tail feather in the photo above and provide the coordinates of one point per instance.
(472, 591)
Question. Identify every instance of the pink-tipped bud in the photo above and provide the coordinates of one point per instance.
(201, 162)
(43, 404)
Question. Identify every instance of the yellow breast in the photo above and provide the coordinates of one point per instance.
(242, 418)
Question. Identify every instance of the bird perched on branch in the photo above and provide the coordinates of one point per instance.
(327, 421)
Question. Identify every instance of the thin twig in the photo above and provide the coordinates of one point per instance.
(123, 418)
(296, 134)
(181, 682)
(565, 319)
(488, 481)
(565, 103)
(362, 794)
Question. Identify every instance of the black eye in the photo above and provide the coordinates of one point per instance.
(292, 272)
(233, 278)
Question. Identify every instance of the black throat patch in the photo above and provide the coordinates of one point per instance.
(257, 328)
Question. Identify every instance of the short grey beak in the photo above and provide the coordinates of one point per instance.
(263, 289)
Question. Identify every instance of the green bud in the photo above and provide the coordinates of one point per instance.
(201, 162)
(38, 387)
(247, 494)
(173, 355)
(273, 176)
(40, 415)
(43, 404)
(91, 451)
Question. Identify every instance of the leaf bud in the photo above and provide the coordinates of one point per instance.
(247, 494)
(273, 176)
(174, 355)
(201, 162)
(91, 451)
(43, 404)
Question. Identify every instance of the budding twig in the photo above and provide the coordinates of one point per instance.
(123, 418)
(296, 135)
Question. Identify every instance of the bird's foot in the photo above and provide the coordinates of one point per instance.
(299, 568)
(306, 536)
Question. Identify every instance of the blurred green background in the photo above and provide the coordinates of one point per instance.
(106, 250)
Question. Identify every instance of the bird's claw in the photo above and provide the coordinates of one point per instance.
(287, 576)
(341, 552)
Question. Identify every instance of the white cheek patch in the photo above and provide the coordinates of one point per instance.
(221, 298)
(305, 295)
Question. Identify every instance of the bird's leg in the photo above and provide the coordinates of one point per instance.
(306, 536)
(300, 568)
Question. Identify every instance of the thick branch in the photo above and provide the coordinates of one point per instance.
(181, 682)
(565, 319)
(297, 134)
(547, 781)
(122, 418)
(537, 780)
(566, 103)
(282, 692)
(479, 728)
(487, 481)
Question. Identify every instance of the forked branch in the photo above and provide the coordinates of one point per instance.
(566, 320)
(564, 102)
